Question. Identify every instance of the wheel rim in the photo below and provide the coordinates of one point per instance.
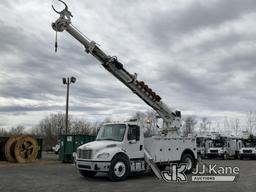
(119, 169)
(188, 162)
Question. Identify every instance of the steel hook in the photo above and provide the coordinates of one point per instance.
(65, 9)
(65, 12)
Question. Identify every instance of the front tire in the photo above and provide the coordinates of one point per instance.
(85, 173)
(119, 169)
(190, 161)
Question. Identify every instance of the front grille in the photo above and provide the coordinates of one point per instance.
(213, 151)
(84, 154)
(247, 151)
(84, 166)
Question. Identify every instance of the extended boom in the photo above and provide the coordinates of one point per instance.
(171, 118)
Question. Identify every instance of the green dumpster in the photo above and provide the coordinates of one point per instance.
(40, 147)
(3, 140)
(69, 145)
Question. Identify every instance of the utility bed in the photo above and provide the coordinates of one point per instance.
(164, 149)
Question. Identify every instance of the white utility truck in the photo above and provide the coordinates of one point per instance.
(200, 143)
(248, 149)
(221, 146)
(120, 148)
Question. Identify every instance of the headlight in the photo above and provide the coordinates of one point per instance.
(103, 156)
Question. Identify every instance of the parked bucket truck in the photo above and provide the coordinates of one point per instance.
(248, 149)
(222, 146)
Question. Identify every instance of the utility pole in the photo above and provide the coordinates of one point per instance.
(67, 81)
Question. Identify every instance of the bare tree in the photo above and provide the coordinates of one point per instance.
(226, 125)
(81, 127)
(235, 125)
(50, 128)
(147, 121)
(3, 132)
(19, 130)
(190, 122)
(205, 125)
(95, 128)
(251, 121)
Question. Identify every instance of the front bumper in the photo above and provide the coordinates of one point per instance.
(90, 165)
(247, 154)
(214, 155)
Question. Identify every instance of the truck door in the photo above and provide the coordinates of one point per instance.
(229, 147)
(134, 145)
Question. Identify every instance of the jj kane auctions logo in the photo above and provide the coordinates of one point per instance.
(204, 173)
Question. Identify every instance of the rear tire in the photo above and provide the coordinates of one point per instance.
(190, 161)
(119, 169)
(85, 173)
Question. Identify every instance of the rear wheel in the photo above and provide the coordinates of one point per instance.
(189, 160)
(119, 169)
(87, 173)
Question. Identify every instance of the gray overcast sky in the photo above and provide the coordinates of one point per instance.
(198, 55)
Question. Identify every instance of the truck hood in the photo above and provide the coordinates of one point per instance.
(248, 148)
(98, 145)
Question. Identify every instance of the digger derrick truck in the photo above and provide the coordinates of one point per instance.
(120, 148)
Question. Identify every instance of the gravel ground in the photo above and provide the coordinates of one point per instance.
(51, 175)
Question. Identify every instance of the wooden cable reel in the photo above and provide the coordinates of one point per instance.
(9, 148)
(26, 149)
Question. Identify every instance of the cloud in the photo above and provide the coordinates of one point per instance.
(198, 56)
(170, 24)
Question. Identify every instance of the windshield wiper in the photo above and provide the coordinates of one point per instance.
(108, 139)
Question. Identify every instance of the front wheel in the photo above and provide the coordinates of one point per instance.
(189, 160)
(119, 168)
(87, 173)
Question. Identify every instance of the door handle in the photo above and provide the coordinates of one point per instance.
(141, 147)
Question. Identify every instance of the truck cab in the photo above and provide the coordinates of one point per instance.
(215, 148)
(248, 149)
(120, 142)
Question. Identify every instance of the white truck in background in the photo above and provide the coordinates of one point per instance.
(120, 148)
(248, 149)
(56, 148)
(201, 144)
(222, 146)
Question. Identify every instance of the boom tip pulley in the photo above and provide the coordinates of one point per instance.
(65, 12)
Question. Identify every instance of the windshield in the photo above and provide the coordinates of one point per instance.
(218, 144)
(114, 132)
(249, 144)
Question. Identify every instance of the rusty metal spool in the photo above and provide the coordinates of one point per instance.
(9, 148)
(26, 149)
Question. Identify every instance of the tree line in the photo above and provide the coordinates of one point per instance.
(52, 126)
